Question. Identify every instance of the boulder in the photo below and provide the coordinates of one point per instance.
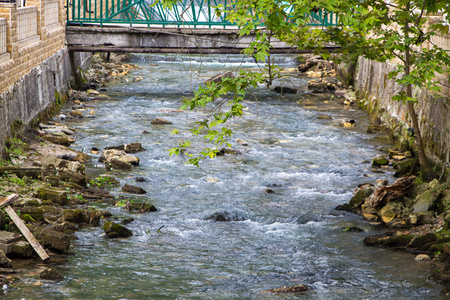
(55, 195)
(128, 148)
(50, 274)
(21, 202)
(22, 249)
(96, 193)
(142, 207)
(91, 217)
(133, 189)
(360, 195)
(421, 240)
(56, 240)
(219, 77)
(226, 216)
(288, 289)
(392, 211)
(380, 161)
(160, 121)
(396, 241)
(31, 214)
(118, 159)
(4, 261)
(425, 200)
(115, 230)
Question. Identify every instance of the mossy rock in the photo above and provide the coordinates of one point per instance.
(361, 195)
(407, 168)
(27, 218)
(398, 240)
(74, 215)
(115, 230)
(142, 207)
(32, 214)
(421, 240)
(380, 161)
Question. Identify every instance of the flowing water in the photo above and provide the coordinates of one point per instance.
(289, 237)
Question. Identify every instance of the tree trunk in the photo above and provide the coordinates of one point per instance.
(418, 137)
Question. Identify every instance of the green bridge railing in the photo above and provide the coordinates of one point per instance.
(187, 13)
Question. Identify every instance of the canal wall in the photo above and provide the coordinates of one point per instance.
(375, 91)
(36, 67)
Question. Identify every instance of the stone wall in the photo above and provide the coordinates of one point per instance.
(35, 65)
(372, 84)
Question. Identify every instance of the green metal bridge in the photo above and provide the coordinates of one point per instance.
(151, 13)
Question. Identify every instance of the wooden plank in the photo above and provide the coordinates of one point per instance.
(26, 233)
(8, 200)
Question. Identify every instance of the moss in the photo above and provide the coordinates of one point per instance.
(27, 218)
(380, 161)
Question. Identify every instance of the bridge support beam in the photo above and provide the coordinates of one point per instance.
(165, 40)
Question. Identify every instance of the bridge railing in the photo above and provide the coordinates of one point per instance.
(186, 13)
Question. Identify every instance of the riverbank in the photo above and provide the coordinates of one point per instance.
(56, 193)
(271, 195)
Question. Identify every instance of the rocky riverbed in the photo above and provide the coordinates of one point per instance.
(57, 194)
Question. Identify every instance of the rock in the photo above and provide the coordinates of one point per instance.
(133, 189)
(306, 66)
(421, 240)
(56, 240)
(242, 142)
(118, 159)
(285, 90)
(424, 201)
(142, 207)
(91, 217)
(32, 214)
(128, 148)
(360, 195)
(351, 229)
(66, 170)
(225, 216)
(114, 230)
(5, 262)
(116, 164)
(32, 172)
(324, 117)
(380, 161)
(50, 274)
(160, 121)
(55, 195)
(391, 211)
(219, 77)
(224, 151)
(21, 202)
(127, 221)
(422, 257)
(140, 179)
(407, 167)
(289, 289)
(389, 241)
(97, 194)
(22, 249)
(370, 217)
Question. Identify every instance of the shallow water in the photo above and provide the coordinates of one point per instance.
(289, 237)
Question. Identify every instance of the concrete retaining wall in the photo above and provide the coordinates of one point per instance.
(372, 84)
(39, 90)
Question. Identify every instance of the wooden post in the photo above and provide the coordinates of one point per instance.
(22, 227)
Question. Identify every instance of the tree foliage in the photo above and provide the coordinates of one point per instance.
(399, 31)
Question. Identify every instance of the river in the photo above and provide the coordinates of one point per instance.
(289, 237)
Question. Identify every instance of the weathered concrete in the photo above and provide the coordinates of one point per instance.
(165, 40)
(39, 90)
(372, 84)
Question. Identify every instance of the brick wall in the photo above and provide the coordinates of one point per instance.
(32, 36)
